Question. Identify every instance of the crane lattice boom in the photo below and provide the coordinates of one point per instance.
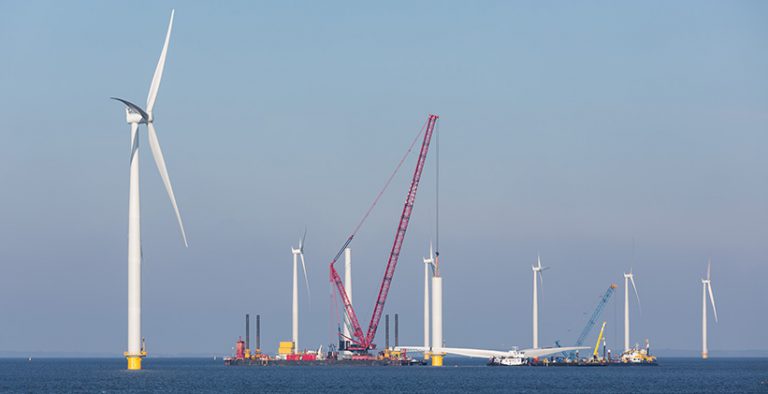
(592, 320)
(595, 315)
(365, 342)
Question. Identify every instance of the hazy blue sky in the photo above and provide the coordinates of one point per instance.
(567, 128)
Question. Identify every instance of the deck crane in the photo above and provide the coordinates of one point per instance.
(364, 342)
(597, 344)
(592, 320)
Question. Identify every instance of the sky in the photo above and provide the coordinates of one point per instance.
(604, 136)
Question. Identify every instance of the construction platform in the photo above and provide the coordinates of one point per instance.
(269, 362)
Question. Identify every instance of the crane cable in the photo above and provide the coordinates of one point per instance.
(437, 199)
(437, 189)
(368, 212)
(378, 196)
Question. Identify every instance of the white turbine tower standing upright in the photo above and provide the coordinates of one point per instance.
(428, 265)
(536, 272)
(296, 254)
(706, 288)
(135, 116)
(630, 277)
(436, 353)
(348, 290)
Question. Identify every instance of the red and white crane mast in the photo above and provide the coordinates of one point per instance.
(362, 342)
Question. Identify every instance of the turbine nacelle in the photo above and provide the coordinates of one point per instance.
(631, 278)
(132, 116)
(134, 113)
(431, 259)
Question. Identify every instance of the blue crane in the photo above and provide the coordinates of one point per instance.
(592, 320)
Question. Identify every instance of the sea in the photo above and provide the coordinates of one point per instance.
(197, 375)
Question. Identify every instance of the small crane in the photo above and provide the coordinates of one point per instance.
(597, 344)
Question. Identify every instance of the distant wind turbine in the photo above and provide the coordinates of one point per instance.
(706, 288)
(536, 272)
(296, 254)
(630, 277)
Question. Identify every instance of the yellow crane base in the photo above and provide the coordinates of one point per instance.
(437, 360)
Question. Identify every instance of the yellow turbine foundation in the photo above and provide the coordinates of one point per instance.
(704, 355)
(437, 360)
(134, 361)
(426, 355)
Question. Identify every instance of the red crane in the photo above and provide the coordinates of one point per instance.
(365, 342)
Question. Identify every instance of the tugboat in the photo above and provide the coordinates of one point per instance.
(638, 356)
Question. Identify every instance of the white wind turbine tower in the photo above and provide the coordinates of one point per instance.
(296, 254)
(136, 116)
(436, 353)
(630, 277)
(348, 290)
(428, 263)
(706, 287)
(536, 272)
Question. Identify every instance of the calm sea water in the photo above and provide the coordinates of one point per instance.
(675, 375)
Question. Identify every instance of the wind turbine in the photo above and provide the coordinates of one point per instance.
(630, 277)
(296, 254)
(706, 287)
(536, 271)
(428, 262)
(135, 116)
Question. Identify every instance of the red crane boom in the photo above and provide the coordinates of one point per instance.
(366, 342)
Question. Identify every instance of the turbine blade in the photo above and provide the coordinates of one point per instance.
(709, 267)
(632, 278)
(301, 241)
(541, 278)
(712, 299)
(153, 88)
(306, 280)
(431, 253)
(154, 144)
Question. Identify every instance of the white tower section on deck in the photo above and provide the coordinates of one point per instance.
(347, 287)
